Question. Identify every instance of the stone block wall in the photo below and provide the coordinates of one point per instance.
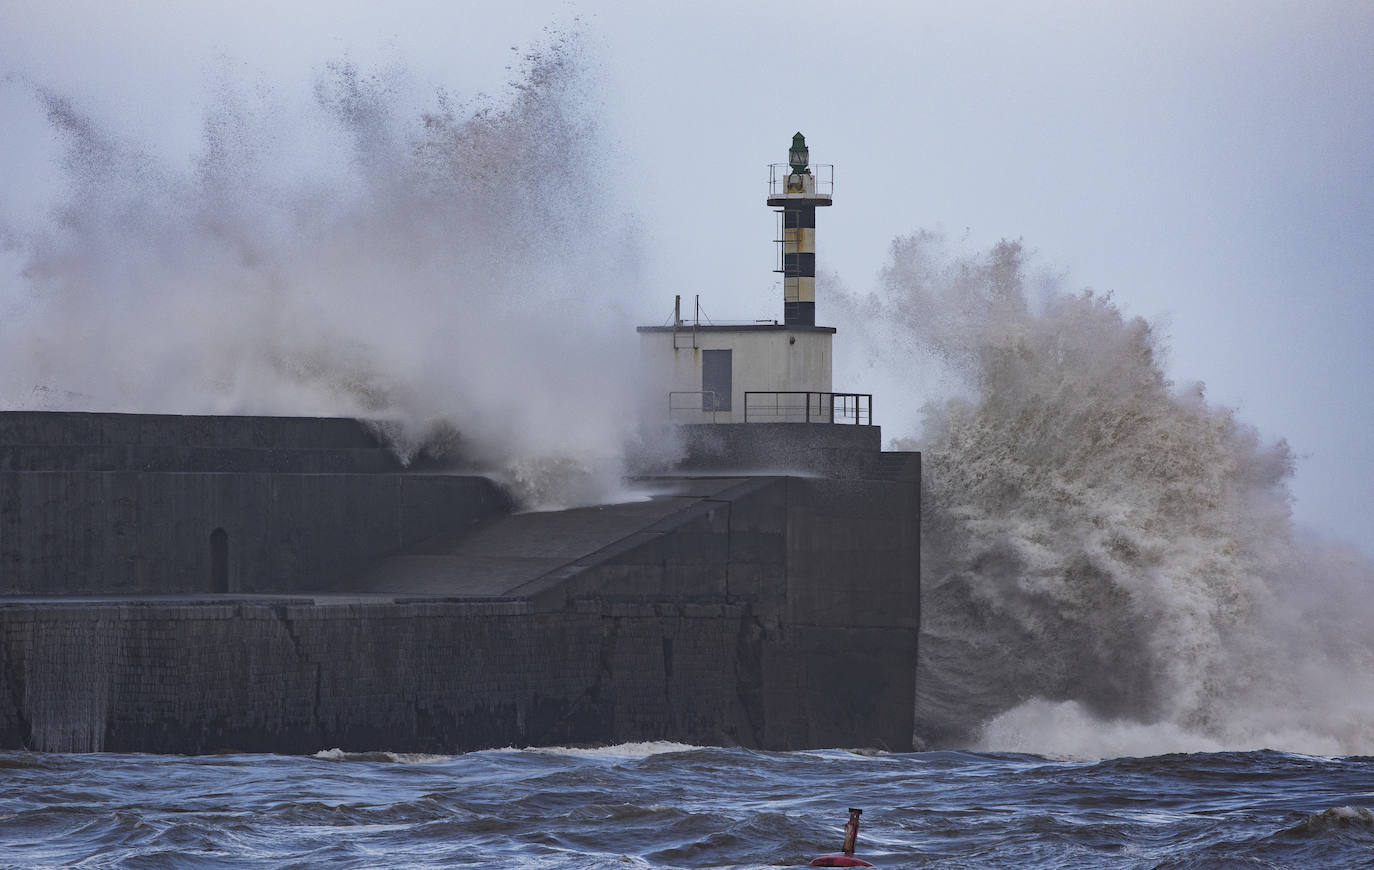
(123, 532)
(718, 626)
(67, 429)
(826, 574)
(425, 677)
(780, 613)
(824, 448)
(128, 503)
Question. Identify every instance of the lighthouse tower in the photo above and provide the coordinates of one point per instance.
(799, 194)
(759, 372)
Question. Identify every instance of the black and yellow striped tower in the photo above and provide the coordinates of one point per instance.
(799, 191)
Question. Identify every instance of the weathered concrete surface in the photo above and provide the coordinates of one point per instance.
(437, 677)
(43, 441)
(83, 532)
(831, 449)
(777, 612)
(65, 429)
(128, 503)
(501, 556)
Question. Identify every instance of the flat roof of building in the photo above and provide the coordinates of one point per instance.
(738, 327)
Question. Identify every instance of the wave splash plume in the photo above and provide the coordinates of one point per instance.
(371, 249)
(1110, 564)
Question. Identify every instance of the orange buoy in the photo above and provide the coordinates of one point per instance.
(839, 861)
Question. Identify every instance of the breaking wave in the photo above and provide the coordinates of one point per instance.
(380, 250)
(381, 756)
(643, 749)
(1110, 566)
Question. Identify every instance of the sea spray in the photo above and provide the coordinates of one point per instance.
(448, 268)
(1109, 565)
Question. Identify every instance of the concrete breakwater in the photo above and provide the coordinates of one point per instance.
(263, 607)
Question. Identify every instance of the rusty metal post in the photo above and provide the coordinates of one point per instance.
(851, 831)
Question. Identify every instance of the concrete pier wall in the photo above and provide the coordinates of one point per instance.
(425, 677)
(100, 429)
(93, 532)
(772, 611)
(832, 449)
(130, 503)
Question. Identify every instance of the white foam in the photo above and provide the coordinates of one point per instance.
(1097, 540)
(621, 750)
(366, 250)
(337, 754)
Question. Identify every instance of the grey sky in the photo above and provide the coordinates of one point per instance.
(1212, 163)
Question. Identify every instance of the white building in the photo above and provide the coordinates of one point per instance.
(735, 374)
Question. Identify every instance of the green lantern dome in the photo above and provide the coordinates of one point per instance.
(798, 155)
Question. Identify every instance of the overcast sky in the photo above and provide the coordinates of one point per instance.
(1211, 163)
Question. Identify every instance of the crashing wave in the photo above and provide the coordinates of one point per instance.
(1106, 552)
(379, 252)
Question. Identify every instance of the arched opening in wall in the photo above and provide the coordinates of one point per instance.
(219, 561)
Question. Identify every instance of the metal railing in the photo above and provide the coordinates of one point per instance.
(821, 182)
(795, 406)
(701, 402)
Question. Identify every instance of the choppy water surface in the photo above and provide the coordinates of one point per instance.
(663, 805)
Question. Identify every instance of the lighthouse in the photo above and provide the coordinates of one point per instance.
(798, 195)
(701, 371)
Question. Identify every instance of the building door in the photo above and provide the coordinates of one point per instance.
(716, 385)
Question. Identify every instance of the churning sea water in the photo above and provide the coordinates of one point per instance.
(667, 805)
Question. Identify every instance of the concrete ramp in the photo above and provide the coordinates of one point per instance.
(504, 557)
